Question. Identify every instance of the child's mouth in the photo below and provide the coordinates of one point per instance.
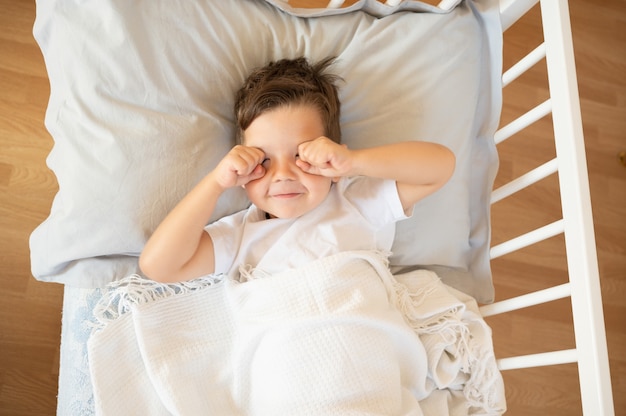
(287, 195)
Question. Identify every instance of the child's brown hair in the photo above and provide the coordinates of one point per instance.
(290, 82)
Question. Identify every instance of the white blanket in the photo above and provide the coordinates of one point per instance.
(340, 336)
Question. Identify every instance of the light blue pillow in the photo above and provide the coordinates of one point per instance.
(141, 108)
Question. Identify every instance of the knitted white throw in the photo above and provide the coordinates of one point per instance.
(340, 336)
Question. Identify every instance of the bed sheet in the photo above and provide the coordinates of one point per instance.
(75, 393)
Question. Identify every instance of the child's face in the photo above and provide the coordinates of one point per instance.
(285, 191)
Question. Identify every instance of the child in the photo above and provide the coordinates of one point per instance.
(311, 196)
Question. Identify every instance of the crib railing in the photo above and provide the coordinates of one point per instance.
(583, 286)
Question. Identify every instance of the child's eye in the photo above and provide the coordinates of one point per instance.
(265, 162)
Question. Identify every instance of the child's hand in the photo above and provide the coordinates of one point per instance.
(324, 157)
(240, 166)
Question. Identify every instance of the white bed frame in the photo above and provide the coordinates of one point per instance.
(577, 223)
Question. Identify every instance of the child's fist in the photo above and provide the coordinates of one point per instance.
(240, 166)
(324, 157)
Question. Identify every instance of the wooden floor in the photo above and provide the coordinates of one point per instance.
(30, 312)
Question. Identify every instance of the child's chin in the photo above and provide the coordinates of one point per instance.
(285, 214)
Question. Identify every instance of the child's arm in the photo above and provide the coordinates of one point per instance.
(180, 249)
(419, 168)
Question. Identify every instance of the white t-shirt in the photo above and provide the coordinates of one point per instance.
(358, 214)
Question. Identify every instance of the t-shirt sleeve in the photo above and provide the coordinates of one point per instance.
(376, 199)
(226, 234)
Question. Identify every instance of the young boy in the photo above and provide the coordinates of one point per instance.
(311, 196)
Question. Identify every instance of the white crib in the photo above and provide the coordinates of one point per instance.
(576, 225)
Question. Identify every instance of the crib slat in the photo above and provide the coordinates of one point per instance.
(512, 10)
(525, 180)
(334, 4)
(538, 360)
(523, 121)
(447, 4)
(524, 301)
(524, 65)
(527, 239)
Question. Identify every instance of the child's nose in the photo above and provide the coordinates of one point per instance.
(284, 170)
